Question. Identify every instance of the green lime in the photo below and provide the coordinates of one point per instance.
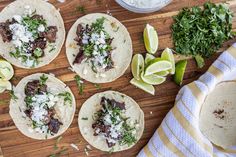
(5, 85)
(179, 71)
(144, 86)
(150, 39)
(162, 73)
(6, 70)
(168, 55)
(152, 79)
(137, 66)
(148, 58)
(157, 65)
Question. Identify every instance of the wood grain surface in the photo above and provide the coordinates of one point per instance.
(14, 144)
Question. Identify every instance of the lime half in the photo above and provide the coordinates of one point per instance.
(162, 73)
(148, 58)
(168, 55)
(5, 85)
(157, 65)
(153, 79)
(179, 71)
(137, 66)
(144, 86)
(6, 70)
(150, 39)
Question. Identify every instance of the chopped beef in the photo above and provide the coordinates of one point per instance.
(109, 41)
(49, 116)
(110, 64)
(37, 17)
(112, 102)
(79, 30)
(79, 57)
(39, 43)
(51, 34)
(83, 37)
(110, 144)
(54, 125)
(34, 87)
(5, 31)
(101, 127)
(28, 113)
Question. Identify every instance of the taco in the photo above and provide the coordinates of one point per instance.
(99, 48)
(218, 115)
(111, 121)
(32, 33)
(43, 107)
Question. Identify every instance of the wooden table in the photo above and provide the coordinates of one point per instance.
(14, 144)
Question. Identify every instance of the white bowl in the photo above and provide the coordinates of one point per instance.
(143, 10)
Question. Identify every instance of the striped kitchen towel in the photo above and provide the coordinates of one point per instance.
(179, 134)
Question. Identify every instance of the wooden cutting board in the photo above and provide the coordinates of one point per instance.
(14, 144)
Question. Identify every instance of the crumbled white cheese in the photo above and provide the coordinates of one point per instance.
(40, 103)
(18, 18)
(41, 28)
(20, 34)
(88, 147)
(74, 146)
(84, 41)
(28, 62)
(61, 1)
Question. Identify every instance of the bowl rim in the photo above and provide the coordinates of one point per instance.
(141, 10)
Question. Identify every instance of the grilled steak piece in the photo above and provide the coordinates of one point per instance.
(37, 17)
(113, 103)
(79, 57)
(34, 87)
(51, 34)
(54, 125)
(5, 31)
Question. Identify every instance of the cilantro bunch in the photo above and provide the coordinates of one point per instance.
(201, 32)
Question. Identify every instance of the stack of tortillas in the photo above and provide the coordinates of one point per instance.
(202, 122)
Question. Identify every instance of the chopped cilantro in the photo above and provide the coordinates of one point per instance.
(32, 24)
(67, 97)
(97, 86)
(201, 32)
(80, 9)
(84, 118)
(38, 52)
(200, 61)
(56, 143)
(79, 83)
(43, 79)
(13, 96)
(98, 25)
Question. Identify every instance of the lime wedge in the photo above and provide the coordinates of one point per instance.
(179, 71)
(137, 66)
(148, 58)
(144, 86)
(6, 70)
(5, 85)
(152, 79)
(162, 73)
(168, 55)
(157, 65)
(150, 39)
